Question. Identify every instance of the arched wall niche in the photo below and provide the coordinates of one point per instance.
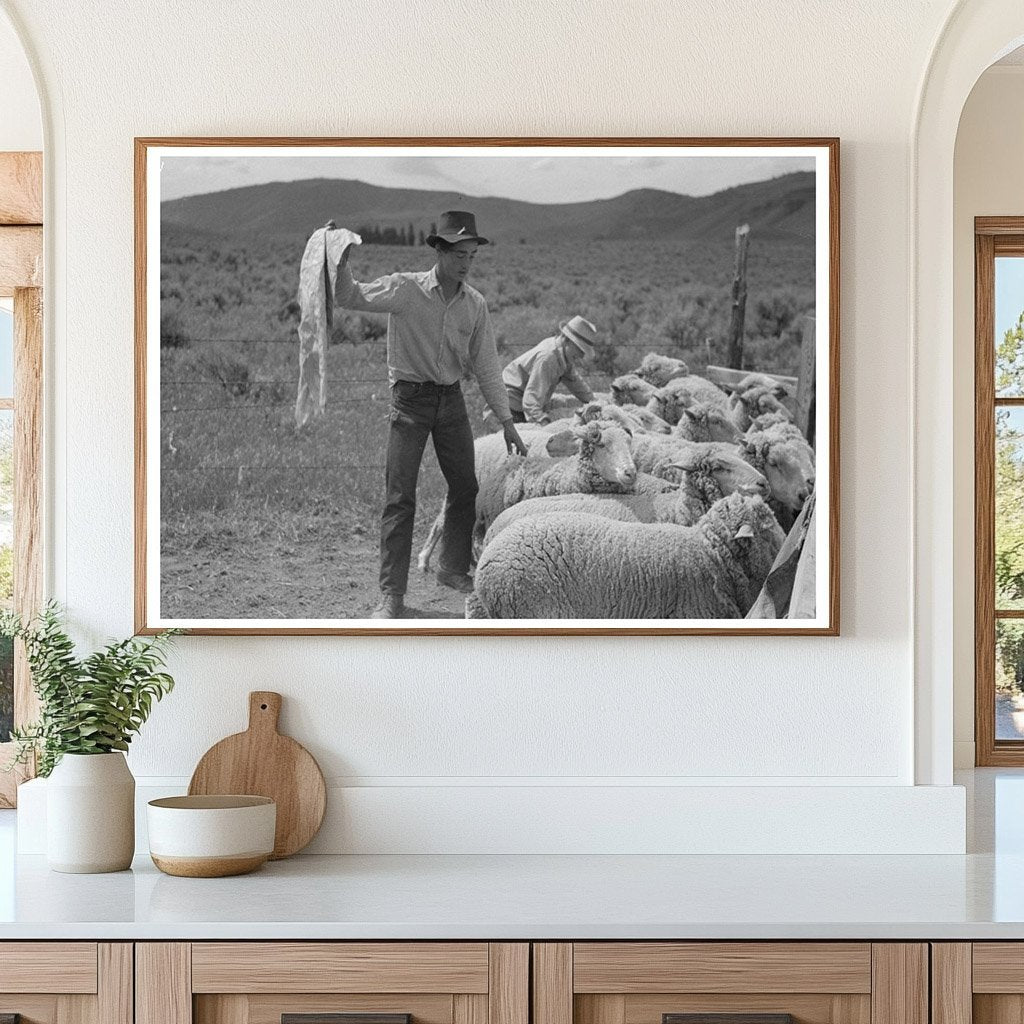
(976, 34)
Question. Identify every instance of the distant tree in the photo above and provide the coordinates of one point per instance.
(422, 240)
(1010, 361)
(401, 237)
(410, 238)
(433, 228)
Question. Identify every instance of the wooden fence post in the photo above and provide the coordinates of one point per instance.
(804, 413)
(739, 299)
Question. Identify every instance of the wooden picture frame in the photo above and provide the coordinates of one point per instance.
(164, 599)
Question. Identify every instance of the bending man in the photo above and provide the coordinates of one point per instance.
(532, 378)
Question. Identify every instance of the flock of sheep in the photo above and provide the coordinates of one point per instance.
(666, 498)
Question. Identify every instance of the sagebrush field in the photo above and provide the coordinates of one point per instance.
(262, 521)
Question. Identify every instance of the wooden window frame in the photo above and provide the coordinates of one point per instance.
(993, 236)
(21, 278)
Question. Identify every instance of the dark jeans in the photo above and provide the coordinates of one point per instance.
(419, 411)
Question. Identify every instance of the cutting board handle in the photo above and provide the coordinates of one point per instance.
(264, 710)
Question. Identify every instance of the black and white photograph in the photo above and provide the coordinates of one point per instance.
(483, 386)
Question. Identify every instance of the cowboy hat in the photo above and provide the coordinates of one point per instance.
(456, 226)
(582, 333)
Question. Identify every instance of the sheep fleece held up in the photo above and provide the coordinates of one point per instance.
(571, 566)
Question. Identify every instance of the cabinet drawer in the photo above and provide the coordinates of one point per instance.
(733, 982)
(340, 967)
(332, 983)
(635, 967)
(65, 967)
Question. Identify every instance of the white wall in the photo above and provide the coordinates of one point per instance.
(21, 127)
(987, 182)
(412, 712)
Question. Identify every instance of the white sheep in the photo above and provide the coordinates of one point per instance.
(763, 380)
(704, 422)
(693, 388)
(603, 463)
(629, 389)
(786, 459)
(711, 472)
(571, 566)
(754, 401)
(769, 419)
(659, 370)
(633, 417)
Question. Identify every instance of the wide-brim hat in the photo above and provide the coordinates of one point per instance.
(582, 333)
(456, 226)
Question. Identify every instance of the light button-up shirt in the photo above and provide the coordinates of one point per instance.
(430, 339)
(532, 378)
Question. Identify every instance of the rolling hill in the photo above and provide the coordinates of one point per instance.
(780, 208)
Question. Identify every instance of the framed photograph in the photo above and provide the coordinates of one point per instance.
(480, 385)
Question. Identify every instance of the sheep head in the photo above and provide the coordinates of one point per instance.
(788, 464)
(712, 422)
(659, 370)
(605, 447)
(631, 388)
(591, 411)
(650, 421)
(723, 464)
(762, 380)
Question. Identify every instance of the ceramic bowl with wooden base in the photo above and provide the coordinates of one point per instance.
(211, 836)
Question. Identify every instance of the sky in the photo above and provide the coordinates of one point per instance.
(6, 353)
(1009, 293)
(539, 177)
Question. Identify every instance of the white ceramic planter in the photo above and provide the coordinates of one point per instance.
(90, 814)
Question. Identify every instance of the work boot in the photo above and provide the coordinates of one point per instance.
(390, 606)
(459, 581)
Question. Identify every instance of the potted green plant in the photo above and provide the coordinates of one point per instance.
(89, 710)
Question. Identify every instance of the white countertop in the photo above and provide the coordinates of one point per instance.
(516, 897)
(977, 896)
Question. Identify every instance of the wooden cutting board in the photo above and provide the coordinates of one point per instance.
(262, 762)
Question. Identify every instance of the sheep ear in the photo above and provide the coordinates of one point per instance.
(780, 391)
(562, 443)
(689, 413)
(745, 532)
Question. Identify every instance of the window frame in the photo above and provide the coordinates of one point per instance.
(993, 237)
(21, 278)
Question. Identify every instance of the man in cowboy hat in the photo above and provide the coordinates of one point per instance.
(531, 379)
(438, 330)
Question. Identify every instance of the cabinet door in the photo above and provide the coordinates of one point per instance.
(66, 983)
(332, 983)
(981, 982)
(730, 983)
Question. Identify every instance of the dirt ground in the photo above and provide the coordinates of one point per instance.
(326, 570)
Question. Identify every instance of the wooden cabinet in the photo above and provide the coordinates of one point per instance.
(66, 982)
(512, 983)
(978, 983)
(759, 982)
(264, 982)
